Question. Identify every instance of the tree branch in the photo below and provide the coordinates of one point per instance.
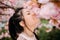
(6, 6)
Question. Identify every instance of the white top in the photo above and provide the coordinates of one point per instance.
(24, 36)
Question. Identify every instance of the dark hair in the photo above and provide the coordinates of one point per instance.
(14, 27)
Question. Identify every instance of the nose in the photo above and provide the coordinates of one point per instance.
(34, 14)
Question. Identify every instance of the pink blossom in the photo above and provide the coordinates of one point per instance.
(1, 10)
(48, 10)
(17, 3)
(27, 5)
(7, 2)
(32, 7)
(2, 35)
(43, 1)
(6, 27)
(6, 34)
(53, 22)
(12, 1)
(57, 16)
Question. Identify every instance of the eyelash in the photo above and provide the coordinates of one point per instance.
(28, 14)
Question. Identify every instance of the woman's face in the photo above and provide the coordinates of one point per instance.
(30, 19)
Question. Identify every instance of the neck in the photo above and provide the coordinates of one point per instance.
(28, 32)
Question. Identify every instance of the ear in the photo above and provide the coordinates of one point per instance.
(22, 24)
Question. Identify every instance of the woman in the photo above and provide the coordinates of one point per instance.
(21, 27)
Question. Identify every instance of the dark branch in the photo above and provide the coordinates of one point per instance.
(6, 6)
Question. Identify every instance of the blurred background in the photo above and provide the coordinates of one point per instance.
(7, 12)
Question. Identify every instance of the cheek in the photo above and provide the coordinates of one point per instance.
(29, 18)
(34, 20)
(34, 17)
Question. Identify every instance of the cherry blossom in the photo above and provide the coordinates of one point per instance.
(48, 10)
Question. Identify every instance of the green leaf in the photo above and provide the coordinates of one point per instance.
(6, 38)
(3, 30)
(44, 21)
